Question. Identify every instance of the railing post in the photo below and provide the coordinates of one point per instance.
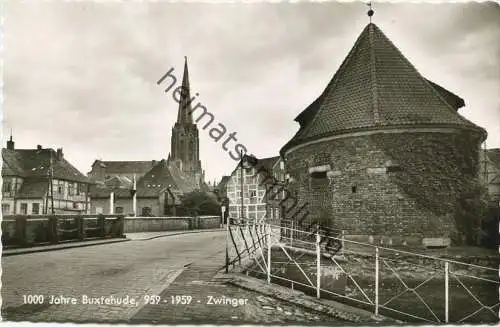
(121, 226)
(53, 233)
(342, 243)
(20, 231)
(79, 228)
(268, 253)
(376, 280)
(291, 234)
(318, 266)
(446, 290)
(102, 225)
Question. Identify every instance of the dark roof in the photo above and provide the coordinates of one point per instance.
(36, 163)
(184, 183)
(375, 87)
(155, 180)
(494, 156)
(12, 164)
(118, 181)
(126, 167)
(268, 163)
(259, 164)
(454, 100)
(150, 185)
(223, 182)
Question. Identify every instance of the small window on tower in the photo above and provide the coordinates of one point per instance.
(392, 166)
(394, 169)
(318, 174)
(354, 189)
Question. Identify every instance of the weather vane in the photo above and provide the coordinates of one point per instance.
(370, 12)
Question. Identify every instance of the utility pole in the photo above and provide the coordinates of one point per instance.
(46, 204)
(87, 188)
(134, 197)
(241, 178)
(51, 183)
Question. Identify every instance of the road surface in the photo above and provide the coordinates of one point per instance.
(76, 283)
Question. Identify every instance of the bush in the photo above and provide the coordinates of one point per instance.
(470, 213)
(200, 203)
(489, 226)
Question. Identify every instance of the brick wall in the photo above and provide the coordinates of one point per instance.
(363, 197)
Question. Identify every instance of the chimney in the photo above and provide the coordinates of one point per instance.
(38, 147)
(60, 154)
(10, 144)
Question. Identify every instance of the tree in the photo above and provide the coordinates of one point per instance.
(200, 203)
(471, 210)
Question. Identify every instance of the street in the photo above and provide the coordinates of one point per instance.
(172, 274)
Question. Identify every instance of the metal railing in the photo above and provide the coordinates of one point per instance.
(396, 283)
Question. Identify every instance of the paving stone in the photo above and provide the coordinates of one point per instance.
(120, 269)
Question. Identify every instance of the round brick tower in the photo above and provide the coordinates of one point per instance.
(382, 153)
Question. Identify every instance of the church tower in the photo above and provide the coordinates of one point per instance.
(185, 141)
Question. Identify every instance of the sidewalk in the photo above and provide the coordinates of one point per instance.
(60, 246)
(151, 235)
(203, 294)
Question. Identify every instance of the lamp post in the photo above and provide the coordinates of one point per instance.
(134, 197)
(169, 192)
(222, 211)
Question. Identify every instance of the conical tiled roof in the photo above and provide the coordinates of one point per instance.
(377, 87)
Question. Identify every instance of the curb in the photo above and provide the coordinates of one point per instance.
(6, 253)
(173, 234)
(346, 313)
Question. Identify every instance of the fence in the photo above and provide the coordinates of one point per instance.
(38, 230)
(400, 284)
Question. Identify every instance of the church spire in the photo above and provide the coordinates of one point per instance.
(184, 115)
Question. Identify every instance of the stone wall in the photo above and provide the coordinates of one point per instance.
(207, 222)
(404, 184)
(159, 224)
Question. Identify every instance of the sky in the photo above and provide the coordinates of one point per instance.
(82, 75)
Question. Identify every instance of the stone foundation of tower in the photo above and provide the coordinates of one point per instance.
(395, 185)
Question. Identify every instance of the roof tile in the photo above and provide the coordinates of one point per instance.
(376, 86)
(30, 163)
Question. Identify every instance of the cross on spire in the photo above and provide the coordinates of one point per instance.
(370, 12)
